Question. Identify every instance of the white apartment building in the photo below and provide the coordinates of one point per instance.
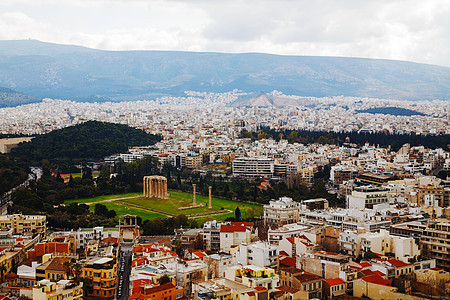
(233, 235)
(297, 245)
(274, 236)
(211, 235)
(281, 212)
(84, 235)
(349, 242)
(354, 243)
(261, 254)
(366, 197)
(253, 167)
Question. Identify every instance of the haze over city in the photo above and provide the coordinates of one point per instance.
(402, 30)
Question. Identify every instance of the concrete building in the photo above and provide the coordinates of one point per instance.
(261, 254)
(366, 197)
(333, 288)
(193, 161)
(253, 167)
(235, 234)
(254, 276)
(435, 242)
(24, 224)
(102, 271)
(84, 235)
(274, 236)
(63, 289)
(211, 235)
(218, 264)
(297, 245)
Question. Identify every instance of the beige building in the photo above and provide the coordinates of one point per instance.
(435, 242)
(234, 234)
(375, 287)
(193, 162)
(24, 224)
(63, 289)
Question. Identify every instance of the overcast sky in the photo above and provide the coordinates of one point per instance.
(414, 30)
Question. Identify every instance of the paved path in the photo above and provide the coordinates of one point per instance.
(107, 200)
(145, 208)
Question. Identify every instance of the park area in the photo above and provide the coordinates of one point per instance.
(150, 208)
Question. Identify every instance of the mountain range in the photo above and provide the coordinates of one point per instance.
(57, 71)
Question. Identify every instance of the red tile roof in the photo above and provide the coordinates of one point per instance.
(289, 261)
(288, 289)
(334, 281)
(166, 286)
(367, 272)
(246, 224)
(365, 264)
(199, 254)
(307, 277)
(232, 228)
(435, 269)
(283, 253)
(398, 263)
(377, 279)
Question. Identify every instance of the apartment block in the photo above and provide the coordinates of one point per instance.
(253, 167)
(435, 242)
(281, 212)
(24, 224)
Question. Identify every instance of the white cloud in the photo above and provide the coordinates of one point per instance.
(392, 29)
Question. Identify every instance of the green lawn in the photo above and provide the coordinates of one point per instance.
(171, 205)
(123, 210)
(181, 199)
(102, 198)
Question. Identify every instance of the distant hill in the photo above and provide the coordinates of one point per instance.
(72, 72)
(266, 100)
(395, 111)
(10, 98)
(88, 141)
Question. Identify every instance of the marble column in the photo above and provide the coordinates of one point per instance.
(210, 204)
(194, 202)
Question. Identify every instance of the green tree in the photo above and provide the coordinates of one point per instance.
(164, 279)
(25, 199)
(237, 213)
(77, 269)
(101, 210)
(68, 268)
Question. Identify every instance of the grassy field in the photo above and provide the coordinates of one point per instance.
(102, 198)
(170, 206)
(123, 210)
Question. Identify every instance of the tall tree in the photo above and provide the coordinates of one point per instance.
(237, 213)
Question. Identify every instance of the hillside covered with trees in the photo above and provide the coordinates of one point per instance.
(84, 142)
(395, 141)
(395, 111)
(12, 173)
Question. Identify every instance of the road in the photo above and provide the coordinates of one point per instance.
(123, 271)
